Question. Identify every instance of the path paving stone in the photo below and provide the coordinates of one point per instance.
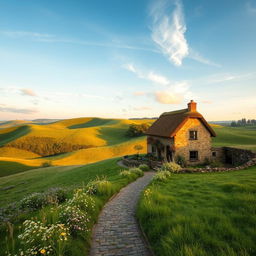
(117, 232)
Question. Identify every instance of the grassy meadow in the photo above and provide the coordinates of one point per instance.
(87, 187)
(80, 141)
(201, 214)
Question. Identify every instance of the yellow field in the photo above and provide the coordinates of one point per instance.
(106, 138)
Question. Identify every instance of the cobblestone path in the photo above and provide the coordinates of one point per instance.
(117, 232)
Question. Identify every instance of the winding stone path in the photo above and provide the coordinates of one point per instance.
(117, 232)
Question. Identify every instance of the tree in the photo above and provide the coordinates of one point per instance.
(136, 130)
(138, 147)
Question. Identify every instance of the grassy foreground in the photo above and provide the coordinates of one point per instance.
(88, 188)
(40, 179)
(201, 214)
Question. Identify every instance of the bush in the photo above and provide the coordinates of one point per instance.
(56, 195)
(162, 176)
(181, 160)
(82, 200)
(136, 130)
(40, 239)
(171, 167)
(33, 202)
(137, 171)
(144, 167)
(216, 163)
(100, 186)
(74, 218)
(46, 164)
(128, 174)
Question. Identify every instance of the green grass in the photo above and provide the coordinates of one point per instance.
(243, 137)
(201, 214)
(94, 122)
(38, 181)
(42, 178)
(9, 168)
(13, 135)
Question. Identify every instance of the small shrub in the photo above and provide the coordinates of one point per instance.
(137, 171)
(46, 164)
(181, 160)
(144, 167)
(171, 167)
(215, 163)
(162, 176)
(40, 239)
(82, 200)
(34, 201)
(74, 218)
(100, 186)
(207, 161)
(56, 195)
(128, 174)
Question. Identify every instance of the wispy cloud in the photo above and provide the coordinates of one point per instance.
(168, 30)
(28, 92)
(49, 38)
(17, 110)
(169, 92)
(150, 76)
(198, 57)
(27, 34)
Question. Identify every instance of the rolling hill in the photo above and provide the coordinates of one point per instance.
(81, 141)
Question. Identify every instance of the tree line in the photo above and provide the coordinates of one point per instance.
(45, 146)
(136, 130)
(243, 122)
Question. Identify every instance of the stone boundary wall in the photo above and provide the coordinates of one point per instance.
(241, 159)
(237, 156)
(250, 163)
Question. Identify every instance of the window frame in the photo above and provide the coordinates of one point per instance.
(194, 134)
(193, 159)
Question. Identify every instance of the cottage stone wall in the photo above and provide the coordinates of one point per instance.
(184, 145)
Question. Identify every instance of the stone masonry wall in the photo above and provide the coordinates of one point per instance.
(203, 144)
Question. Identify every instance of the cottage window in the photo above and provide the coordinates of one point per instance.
(193, 155)
(193, 135)
(214, 154)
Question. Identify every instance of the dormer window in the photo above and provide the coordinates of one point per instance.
(193, 135)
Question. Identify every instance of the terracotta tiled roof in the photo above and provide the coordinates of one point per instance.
(168, 124)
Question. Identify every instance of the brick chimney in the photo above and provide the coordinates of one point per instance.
(192, 106)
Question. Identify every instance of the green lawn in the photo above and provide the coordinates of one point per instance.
(9, 168)
(202, 214)
(242, 137)
(41, 179)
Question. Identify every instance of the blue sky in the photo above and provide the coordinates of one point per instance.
(122, 59)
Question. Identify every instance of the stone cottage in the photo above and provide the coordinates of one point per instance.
(183, 132)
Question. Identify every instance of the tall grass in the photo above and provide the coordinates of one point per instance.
(201, 214)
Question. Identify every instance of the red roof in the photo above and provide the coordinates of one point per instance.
(169, 123)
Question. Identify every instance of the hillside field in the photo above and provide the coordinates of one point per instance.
(204, 214)
(80, 141)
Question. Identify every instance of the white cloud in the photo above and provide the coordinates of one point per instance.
(198, 57)
(168, 31)
(32, 35)
(17, 110)
(168, 97)
(150, 76)
(158, 79)
(27, 92)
